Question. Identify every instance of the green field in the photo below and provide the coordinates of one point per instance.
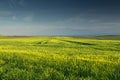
(59, 58)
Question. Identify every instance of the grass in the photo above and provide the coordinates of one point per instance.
(109, 37)
(59, 58)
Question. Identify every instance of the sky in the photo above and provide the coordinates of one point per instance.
(60, 17)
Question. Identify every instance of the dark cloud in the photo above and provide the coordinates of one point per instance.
(80, 17)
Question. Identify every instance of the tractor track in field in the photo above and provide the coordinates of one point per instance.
(79, 43)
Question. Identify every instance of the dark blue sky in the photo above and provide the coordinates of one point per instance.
(60, 17)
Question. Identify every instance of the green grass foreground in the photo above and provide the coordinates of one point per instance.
(59, 58)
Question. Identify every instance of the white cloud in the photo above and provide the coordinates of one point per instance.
(5, 13)
(14, 18)
(74, 19)
(14, 3)
(28, 18)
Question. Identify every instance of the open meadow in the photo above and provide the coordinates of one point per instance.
(59, 58)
